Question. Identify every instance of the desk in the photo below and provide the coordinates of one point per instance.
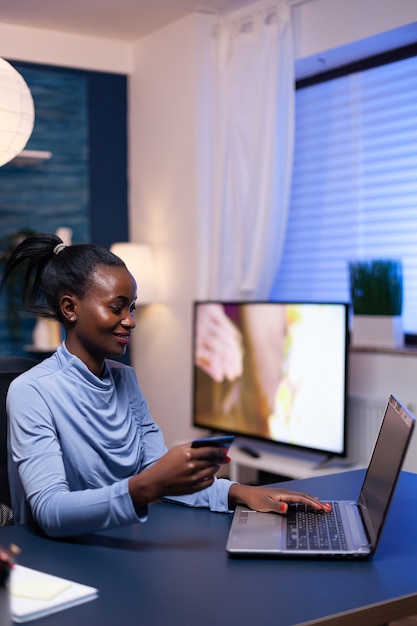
(174, 570)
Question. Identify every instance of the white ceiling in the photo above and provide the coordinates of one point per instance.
(124, 20)
(128, 20)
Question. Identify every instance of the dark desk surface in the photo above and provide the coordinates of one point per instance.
(173, 570)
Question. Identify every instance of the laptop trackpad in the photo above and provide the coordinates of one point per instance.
(259, 519)
(258, 531)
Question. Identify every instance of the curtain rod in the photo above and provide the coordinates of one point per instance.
(290, 3)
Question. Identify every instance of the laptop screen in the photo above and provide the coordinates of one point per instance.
(384, 467)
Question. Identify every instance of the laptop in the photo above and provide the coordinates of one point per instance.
(353, 528)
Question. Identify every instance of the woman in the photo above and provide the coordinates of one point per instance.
(85, 452)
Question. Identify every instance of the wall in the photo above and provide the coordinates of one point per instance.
(321, 25)
(166, 102)
(81, 118)
(67, 50)
(373, 377)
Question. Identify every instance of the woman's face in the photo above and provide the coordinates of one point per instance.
(104, 318)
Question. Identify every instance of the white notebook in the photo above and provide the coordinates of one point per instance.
(34, 594)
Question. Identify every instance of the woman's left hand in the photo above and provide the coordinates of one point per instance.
(271, 499)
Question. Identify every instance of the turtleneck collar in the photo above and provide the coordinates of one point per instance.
(67, 359)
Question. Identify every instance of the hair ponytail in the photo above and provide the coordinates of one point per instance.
(51, 268)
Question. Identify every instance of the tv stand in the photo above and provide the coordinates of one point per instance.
(283, 461)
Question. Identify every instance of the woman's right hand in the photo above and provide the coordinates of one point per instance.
(182, 470)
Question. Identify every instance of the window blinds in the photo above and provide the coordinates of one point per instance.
(354, 190)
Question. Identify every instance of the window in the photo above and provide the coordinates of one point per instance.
(354, 191)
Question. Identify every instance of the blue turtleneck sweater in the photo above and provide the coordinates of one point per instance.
(74, 442)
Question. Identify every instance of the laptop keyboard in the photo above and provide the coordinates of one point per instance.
(311, 529)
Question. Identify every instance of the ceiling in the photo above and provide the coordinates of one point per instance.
(124, 20)
(129, 20)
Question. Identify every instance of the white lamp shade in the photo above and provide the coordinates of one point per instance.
(17, 112)
(139, 260)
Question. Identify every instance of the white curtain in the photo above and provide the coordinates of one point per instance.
(242, 228)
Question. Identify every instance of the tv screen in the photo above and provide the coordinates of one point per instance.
(272, 371)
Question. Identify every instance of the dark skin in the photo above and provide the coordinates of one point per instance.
(99, 326)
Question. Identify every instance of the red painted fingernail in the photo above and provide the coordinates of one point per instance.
(283, 507)
(228, 459)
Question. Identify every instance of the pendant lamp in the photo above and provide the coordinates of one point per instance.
(17, 112)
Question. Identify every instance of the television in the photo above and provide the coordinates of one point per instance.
(273, 372)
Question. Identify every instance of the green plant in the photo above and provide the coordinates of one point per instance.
(376, 287)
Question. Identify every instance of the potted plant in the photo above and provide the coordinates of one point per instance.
(376, 289)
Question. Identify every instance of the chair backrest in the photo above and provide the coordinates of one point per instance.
(10, 368)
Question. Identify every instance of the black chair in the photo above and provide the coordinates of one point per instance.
(10, 368)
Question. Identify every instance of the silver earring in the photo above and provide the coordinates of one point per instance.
(72, 319)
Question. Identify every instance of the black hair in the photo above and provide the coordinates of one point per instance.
(51, 271)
